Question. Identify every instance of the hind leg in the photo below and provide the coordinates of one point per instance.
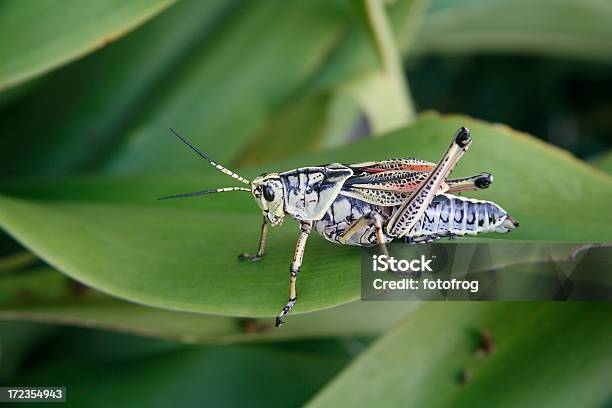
(412, 210)
(477, 182)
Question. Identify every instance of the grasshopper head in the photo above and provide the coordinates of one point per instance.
(269, 195)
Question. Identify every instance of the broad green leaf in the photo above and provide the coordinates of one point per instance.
(41, 35)
(567, 28)
(82, 131)
(541, 357)
(184, 258)
(46, 296)
(169, 263)
(185, 376)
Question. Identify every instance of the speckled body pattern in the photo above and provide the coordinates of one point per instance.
(446, 216)
(335, 196)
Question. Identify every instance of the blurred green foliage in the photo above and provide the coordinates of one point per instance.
(87, 92)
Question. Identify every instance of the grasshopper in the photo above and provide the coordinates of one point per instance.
(369, 203)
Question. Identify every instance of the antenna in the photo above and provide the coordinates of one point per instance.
(211, 161)
(197, 193)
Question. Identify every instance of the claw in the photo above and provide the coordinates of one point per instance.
(285, 311)
(249, 257)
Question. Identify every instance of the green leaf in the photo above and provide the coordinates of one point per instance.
(42, 35)
(168, 263)
(541, 357)
(82, 131)
(47, 296)
(184, 258)
(567, 28)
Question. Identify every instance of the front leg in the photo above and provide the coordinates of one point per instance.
(305, 227)
(262, 245)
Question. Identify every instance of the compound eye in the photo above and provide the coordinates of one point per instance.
(268, 193)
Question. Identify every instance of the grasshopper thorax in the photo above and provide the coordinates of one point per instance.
(269, 195)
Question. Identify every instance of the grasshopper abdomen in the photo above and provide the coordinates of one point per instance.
(450, 215)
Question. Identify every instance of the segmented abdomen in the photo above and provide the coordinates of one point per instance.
(453, 215)
(446, 215)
